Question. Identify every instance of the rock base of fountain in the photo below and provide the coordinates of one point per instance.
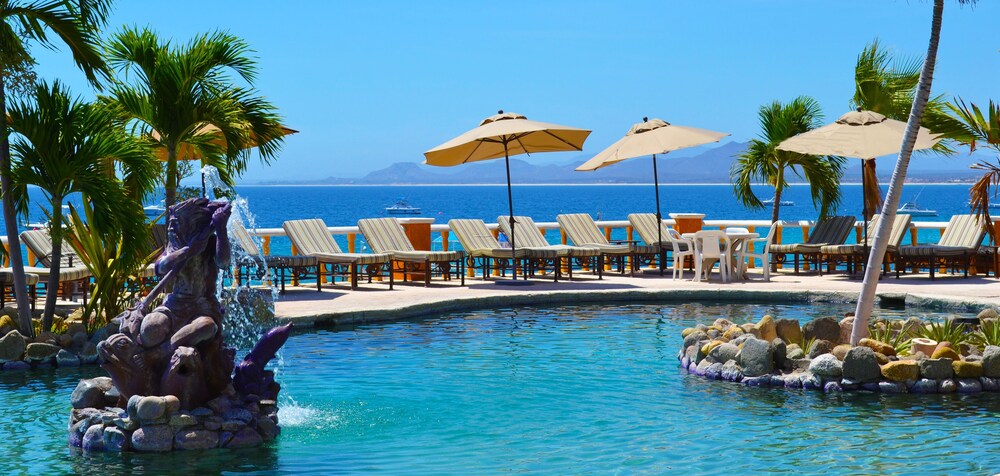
(170, 368)
(157, 424)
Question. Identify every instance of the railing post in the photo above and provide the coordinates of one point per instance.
(805, 238)
(444, 240)
(753, 247)
(266, 245)
(352, 239)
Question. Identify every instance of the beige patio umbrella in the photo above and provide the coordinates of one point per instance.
(652, 137)
(186, 151)
(859, 134)
(504, 135)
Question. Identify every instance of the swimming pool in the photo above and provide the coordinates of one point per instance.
(573, 389)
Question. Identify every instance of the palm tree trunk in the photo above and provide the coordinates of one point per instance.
(52, 287)
(776, 206)
(171, 182)
(866, 299)
(10, 222)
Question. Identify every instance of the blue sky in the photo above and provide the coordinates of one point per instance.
(369, 84)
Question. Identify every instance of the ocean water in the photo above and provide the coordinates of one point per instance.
(587, 389)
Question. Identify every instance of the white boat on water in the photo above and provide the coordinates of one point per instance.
(914, 209)
(154, 212)
(402, 208)
(784, 203)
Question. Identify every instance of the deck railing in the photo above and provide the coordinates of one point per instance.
(927, 232)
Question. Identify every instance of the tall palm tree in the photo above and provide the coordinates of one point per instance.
(985, 131)
(182, 91)
(866, 298)
(764, 162)
(61, 145)
(74, 23)
(887, 85)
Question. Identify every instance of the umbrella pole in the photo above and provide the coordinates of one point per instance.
(510, 204)
(659, 218)
(864, 208)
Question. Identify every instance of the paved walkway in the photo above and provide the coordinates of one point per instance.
(374, 302)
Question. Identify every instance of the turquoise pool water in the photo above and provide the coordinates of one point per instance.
(568, 390)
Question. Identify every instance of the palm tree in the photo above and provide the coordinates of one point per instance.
(764, 162)
(866, 298)
(175, 94)
(985, 131)
(75, 23)
(62, 146)
(887, 86)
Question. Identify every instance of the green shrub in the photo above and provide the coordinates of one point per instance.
(988, 334)
(946, 331)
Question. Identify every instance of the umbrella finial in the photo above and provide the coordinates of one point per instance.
(858, 109)
(500, 111)
(645, 119)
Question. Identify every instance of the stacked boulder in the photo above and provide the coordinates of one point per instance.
(770, 353)
(72, 347)
(157, 424)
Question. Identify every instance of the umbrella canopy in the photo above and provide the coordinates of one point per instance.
(504, 135)
(862, 135)
(187, 152)
(858, 134)
(652, 137)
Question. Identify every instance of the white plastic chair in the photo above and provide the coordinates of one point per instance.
(682, 248)
(710, 246)
(761, 250)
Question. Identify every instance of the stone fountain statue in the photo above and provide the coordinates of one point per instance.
(170, 368)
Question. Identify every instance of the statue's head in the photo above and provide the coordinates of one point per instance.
(190, 218)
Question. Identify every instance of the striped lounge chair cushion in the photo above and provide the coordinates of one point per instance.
(842, 250)
(75, 273)
(526, 232)
(289, 261)
(432, 256)
(310, 236)
(645, 225)
(477, 240)
(385, 235)
(962, 236)
(238, 232)
(40, 243)
(832, 231)
(7, 278)
(582, 231)
(352, 258)
(934, 250)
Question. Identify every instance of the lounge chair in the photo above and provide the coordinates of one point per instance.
(386, 235)
(582, 231)
(300, 266)
(527, 235)
(670, 240)
(832, 231)
(479, 242)
(74, 276)
(855, 254)
(7, 285)
(312, 238)
(959, 242)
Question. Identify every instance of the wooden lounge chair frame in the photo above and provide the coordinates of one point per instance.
(831, 231)
(527, 235)
(583, 231)
(959, 243)
(386, 235)
(311, 237)
(479, 242)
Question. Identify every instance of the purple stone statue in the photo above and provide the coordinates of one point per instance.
(177, 348)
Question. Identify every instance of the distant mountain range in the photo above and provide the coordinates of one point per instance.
(709, 166)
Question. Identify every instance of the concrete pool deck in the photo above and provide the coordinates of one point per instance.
(337, 305)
